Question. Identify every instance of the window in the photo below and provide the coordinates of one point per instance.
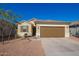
(24, 28)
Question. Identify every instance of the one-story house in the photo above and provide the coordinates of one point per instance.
(43, 28)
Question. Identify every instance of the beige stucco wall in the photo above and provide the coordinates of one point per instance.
(22, 33)
(38, 29)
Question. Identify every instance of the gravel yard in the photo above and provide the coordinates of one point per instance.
(21, 47)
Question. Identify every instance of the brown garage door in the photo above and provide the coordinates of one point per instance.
(47, 31)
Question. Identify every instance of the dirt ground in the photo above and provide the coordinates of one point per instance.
(74, 38)
(21, 47)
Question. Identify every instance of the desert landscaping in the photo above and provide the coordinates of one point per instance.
(21, 47)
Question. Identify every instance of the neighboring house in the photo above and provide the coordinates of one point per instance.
(24, 28)
(50, 28)
(74, 28)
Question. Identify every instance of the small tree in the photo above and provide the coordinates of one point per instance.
(7, 15)
(12, 17)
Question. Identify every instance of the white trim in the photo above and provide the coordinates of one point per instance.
(38, 30)
(50, 25)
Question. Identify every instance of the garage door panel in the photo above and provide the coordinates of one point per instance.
(52, 31)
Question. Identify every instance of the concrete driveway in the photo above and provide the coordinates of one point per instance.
(60, 47)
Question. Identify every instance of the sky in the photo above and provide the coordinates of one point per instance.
(45, 11)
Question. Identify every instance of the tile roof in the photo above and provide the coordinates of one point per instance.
(40, 21)
(75, 23)
(51, 22)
